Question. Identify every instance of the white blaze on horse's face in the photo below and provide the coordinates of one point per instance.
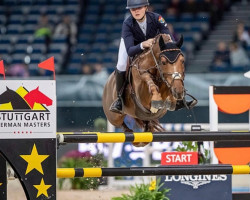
(174, 75)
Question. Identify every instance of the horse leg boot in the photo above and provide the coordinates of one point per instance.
(120, 77)
(186, 104)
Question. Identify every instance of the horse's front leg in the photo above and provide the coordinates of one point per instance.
(170, 103)
(156, 100)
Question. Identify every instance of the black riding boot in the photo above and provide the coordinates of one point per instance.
(190, 104)
(120, 78)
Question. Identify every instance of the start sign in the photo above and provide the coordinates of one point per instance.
(179, 158)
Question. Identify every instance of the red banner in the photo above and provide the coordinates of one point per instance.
(2, 70)
(48, 64)
(179, 158)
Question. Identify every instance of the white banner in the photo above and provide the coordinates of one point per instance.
(27, 109)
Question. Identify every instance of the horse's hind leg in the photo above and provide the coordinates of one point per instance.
(150, 126)
(146, 125)
(156, 126)
(126, 128)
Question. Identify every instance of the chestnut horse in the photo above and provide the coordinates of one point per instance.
(155, 83)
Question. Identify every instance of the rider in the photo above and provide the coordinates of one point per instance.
(138, 32)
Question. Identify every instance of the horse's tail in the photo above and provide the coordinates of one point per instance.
(153, 126)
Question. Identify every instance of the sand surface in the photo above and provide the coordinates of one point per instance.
(15, 192)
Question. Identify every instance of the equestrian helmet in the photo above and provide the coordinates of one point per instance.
(136, 3)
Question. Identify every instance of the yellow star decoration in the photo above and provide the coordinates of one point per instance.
(34, 160)
(0, 184)
(42, 188)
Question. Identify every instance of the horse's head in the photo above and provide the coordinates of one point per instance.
(36, 96)
(2, 97)
(42, 98)
(7, 96)
(171, 65)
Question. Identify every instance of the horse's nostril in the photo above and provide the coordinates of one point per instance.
(178, 93)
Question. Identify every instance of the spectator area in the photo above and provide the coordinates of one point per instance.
(100, 32)
(99, 26)
(19, 21)
(234, 55)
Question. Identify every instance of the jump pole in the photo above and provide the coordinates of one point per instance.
(98, 137)
(153, 171)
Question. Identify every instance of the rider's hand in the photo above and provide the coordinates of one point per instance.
(148, 43)
(168, 36)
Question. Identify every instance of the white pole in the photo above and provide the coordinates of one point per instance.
(213, 111)
(110, 128)
(146, 160)
(110, 164)
(213, 121)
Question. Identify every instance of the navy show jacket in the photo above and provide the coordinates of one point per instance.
(133, 35)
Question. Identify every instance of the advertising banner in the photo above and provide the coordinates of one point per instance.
(179, 158)
(27, 109)
(197, 187)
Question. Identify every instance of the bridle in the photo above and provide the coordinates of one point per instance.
(175, 75)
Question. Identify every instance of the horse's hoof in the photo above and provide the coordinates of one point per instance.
(157, 104)
(153, 110)
(140, 144)
(128, 131)
(170, 105)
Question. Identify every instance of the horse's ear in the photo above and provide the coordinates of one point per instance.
(161, 43)
(7, 88)
(37, 88)
(180, 42)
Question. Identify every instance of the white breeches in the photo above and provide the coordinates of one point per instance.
(122, 57)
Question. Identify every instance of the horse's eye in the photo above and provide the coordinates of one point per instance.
(163, 61)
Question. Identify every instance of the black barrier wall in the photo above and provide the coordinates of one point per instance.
(82, 118)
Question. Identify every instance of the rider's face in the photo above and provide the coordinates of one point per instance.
(138, 13)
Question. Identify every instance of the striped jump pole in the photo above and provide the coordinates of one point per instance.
(98, 137)
(153, 171)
